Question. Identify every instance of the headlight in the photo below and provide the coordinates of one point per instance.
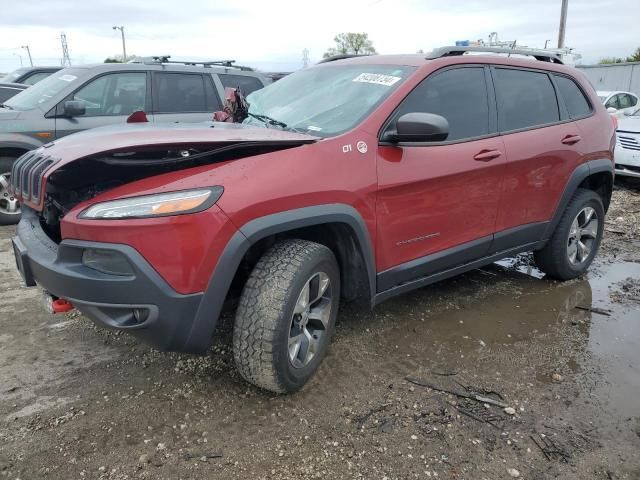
(159, 205)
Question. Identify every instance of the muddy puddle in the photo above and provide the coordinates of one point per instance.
(506, 322)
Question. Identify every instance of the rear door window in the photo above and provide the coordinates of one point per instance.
(246, 83)
(525, 99)
(576, 102)
(459, 95)
(181, 93)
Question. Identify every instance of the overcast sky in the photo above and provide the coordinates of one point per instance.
(272, 34)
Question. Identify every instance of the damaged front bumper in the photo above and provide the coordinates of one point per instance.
(140, 301)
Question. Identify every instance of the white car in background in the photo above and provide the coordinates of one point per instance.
(627, 153)
(619, 103)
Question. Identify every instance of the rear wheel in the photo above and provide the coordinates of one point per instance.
(286, 315)
(576, 239)
(9, 206)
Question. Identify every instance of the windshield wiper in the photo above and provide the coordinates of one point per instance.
(267, 119)
(2, 105)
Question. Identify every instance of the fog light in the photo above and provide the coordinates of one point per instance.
(106, 261)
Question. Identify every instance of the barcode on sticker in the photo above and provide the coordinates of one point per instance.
(377, 78)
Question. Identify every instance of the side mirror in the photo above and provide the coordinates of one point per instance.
(74, 108)
(419, 127)
(611, 110)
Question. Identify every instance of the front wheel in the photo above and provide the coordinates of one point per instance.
(286, 315)
(9, 206)
(576, 239)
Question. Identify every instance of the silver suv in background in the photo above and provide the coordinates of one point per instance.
(29, 75)
(89, 96)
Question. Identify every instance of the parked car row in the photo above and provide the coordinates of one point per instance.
(83, 97)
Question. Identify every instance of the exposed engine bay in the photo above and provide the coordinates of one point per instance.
(87, 177)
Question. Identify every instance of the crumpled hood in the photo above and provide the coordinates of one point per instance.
(629, 124)
(121, 137)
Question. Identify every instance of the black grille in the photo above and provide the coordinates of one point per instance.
(26, 175)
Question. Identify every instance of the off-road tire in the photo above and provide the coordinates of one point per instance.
(264, 314)
(553, 259)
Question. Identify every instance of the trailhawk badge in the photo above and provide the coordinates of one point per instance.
(361, 146)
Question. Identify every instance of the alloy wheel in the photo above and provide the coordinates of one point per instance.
(582, 236)
(8, 203)
(310, 320)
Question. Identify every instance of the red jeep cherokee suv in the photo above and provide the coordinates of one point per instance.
(364, 177)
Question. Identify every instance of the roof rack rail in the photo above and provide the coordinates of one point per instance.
(155, 59)
(342, 57)
(542, 55)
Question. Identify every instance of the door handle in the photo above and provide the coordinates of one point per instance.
(487, 155)
(571, 139)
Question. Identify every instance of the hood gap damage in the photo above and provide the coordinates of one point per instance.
(87, 177)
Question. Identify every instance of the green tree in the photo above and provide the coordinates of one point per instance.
(610, 60)
(635, 56)
(112, 60)
(351, 44)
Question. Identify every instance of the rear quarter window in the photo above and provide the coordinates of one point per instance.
(576, 102)
(246, 83)
(526, 99)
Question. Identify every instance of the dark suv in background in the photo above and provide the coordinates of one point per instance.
(89, 96)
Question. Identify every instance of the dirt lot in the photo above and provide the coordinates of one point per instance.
(78, 402)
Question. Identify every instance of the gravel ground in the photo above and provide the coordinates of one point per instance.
(498, 373)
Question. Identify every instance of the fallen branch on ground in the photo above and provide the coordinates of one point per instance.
(477, 398)
(599, 311)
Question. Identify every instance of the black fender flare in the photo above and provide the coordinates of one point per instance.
(582, 172)
(210, 307)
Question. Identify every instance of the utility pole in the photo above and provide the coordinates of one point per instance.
(124, 48)
(66, 61)
(26, 47)
(20, 57)
(563, 23)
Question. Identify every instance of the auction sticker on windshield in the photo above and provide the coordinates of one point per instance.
(377, 78)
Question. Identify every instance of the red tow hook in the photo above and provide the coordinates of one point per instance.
(60, 305)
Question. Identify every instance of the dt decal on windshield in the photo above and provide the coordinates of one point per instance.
(376, 78)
